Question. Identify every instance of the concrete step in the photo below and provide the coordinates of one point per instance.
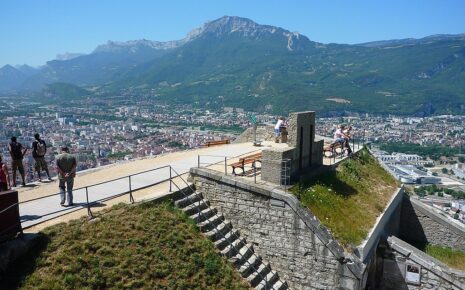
(196, 207)
(228, 238)
(219, 231)
(232, 249)
(269, 281)
(279, 285)
(183, 202)
(211, 223)
(258, 275)
(242, 256)
(250, 265)
(204, 214)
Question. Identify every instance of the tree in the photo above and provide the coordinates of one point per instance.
(444, 170)
(461, 159)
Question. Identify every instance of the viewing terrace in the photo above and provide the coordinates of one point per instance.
(135, 181)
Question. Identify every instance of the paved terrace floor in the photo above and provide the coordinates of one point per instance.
(39, 213)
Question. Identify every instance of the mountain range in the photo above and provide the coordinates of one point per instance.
(234, 61)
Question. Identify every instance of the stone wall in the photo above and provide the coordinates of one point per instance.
(264, 133)
(433, 274)
(387, 224)
(283, 232)
(277, 165)
(421, 224)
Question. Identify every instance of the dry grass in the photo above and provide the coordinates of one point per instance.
(349, 200)
(451, 257)
(150, 246)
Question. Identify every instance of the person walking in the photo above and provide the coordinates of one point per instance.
(17, 152)
(4, 177)
(66, 167)
(39, 148)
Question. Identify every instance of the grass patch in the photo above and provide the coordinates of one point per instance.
(349, 199)
(451, 257)
(150, 246)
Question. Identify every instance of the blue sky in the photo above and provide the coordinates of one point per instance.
(35, 31)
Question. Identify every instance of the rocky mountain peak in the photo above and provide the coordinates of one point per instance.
(134, 45)
(229, 25)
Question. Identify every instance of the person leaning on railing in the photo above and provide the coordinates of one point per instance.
(347, 136)
(4, 176)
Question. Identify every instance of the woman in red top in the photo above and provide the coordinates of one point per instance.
(4, 177)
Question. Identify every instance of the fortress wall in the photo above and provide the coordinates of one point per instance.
(421, 224)
(284, 233)
(386, 225)
(432, 273)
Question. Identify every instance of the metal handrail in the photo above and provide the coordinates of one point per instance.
(267, 284)
(87, 203)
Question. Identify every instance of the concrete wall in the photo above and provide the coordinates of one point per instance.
(421, 224)
(283, 232)
(433, 273)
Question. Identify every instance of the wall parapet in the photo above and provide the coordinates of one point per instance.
(381, 229)
(432, 214)
(450, 276)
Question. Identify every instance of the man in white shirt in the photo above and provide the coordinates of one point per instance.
(277, 128)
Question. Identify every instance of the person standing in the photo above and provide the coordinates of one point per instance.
(39, 148)
(66, 167)
(17, 152)
(4, 177)
(277, 128)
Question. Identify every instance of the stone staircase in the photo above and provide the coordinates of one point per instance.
(229, 243)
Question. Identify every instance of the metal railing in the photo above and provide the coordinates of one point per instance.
(86, 190)
(89, 203)
(354, 140)
(268, 285)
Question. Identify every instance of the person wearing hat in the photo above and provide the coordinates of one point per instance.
(66, 167)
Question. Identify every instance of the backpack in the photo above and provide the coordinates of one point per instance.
(16, 150)
(41, 148)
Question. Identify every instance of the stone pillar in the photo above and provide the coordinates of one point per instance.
(302, 136)
(277, 165)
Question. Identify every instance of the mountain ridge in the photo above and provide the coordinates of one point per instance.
(259, 65)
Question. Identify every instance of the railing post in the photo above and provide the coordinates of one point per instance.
(353, 143)
(89, 212)
(131, 198)
(255, 173)
(225, 166)
(171, 182)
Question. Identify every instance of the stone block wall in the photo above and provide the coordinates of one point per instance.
(433, 273)
(420, 224)
(283, 232)
(273, 168)
(301, 130)
(264, 133)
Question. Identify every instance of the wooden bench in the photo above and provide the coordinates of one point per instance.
(249, 159)
(215, 143)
